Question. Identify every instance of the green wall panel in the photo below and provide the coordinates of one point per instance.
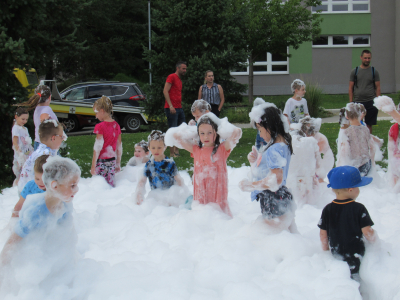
(301, 59)
(346, 24)
(355, 56)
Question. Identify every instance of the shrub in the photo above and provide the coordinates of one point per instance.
(314, 98)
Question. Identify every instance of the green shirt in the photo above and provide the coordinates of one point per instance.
(365, 90)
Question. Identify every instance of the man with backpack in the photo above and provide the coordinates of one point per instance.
(364, 86)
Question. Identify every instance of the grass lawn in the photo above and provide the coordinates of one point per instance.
(81, 147)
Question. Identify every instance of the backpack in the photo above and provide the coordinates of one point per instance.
(355, 77)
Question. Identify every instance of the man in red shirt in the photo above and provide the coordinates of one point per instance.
(173, 100)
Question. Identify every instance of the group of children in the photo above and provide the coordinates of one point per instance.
(210, 141)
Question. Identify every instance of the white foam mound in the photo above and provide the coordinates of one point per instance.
(155, 251)
(186, 132)
(384, 103)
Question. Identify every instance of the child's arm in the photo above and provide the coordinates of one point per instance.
(369, 234)
(271, 182)
(17, 207)
(179, 180)
(187, 145)
(119, 154)
(15, 143)
(231, 142)
(372, 150)
(98, 145)
(323, 236)
(287, 118)
(12, 241)
(140, 190)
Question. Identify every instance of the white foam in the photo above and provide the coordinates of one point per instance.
(384, 103)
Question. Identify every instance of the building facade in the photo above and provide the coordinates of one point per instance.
(348, 27)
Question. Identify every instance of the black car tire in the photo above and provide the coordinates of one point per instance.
(71, 124)
(132, 123)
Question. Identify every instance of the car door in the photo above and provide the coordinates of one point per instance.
(97, 91)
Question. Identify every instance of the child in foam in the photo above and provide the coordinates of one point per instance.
(210, 175)
(199, 108)
(259, 140)
(270, 168)
(141, 155)
(296, 106)
(49, 211)
(344, 222)
(107, 150)
(40, 101)
(357, 147)
(35, 186)
(51, 136)
(21, 142)
(161, 171)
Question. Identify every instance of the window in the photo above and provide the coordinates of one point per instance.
(342, 6)
(333, 41)
(75, 94)
(96, 91)
(265, 64)
(119, 90)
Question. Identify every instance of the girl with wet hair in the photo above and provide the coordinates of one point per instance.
(210, 175)
(40, 101)
(21, 141)
(270, 168)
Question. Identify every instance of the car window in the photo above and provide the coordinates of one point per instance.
(96, 91)
(76, 94)
(119, 90)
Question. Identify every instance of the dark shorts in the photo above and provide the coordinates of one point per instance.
(365, 168)
(214, 109)
(372, 112)
(176, 119)
(353, 260)
(275, 204)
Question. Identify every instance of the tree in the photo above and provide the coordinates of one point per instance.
(31, 34)
(274, 25)
(206, 34)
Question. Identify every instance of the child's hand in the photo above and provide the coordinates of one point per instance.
(93, 170)
(192, 122)
(253, 155)
(139, 199)
(117, 168)
(246, 186)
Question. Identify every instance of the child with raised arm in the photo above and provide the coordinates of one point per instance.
(107, 150)
(270, 168)
(51, 135)
(21, 142)
(141, 155)
(161, 171)
(48, 211)
(35, 186)
(344, 222)
(357, 148)
(210, 175)
(296, 106)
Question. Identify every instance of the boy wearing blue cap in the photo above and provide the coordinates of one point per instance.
(343, 221)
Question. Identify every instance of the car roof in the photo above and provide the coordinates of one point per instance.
(87, 83)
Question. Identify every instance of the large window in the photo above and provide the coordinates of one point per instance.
(266, 64)
(342, 6)
(335, 41)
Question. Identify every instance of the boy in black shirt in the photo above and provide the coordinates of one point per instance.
(344, 221)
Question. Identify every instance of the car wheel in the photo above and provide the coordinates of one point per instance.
(71, 124)
(132, 123)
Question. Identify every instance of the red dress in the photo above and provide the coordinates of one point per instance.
(210, 177)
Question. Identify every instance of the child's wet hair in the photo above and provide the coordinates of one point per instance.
(353, 110)
(201, 105)
(309, 125)
(105, 104)
(297, 84)
(156, 135)
(49, 128)
(207, 120)
(39, 162)
(272, 121)
(144, 145)
(59, 169)
(42, 93)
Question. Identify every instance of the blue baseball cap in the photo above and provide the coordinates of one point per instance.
(346, 177)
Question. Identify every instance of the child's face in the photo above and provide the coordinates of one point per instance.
(39, 181)
(300, 92)
(57, 139)
(207, 135)
(100, 114)
(139, 152)
(264, 133)
(157, 149)
(197, 114)
(22, 119)
(67, 189)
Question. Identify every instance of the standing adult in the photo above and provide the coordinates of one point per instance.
(173, 100)
(212, 93)
(364, 86)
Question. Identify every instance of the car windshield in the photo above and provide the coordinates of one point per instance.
(75, 94)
